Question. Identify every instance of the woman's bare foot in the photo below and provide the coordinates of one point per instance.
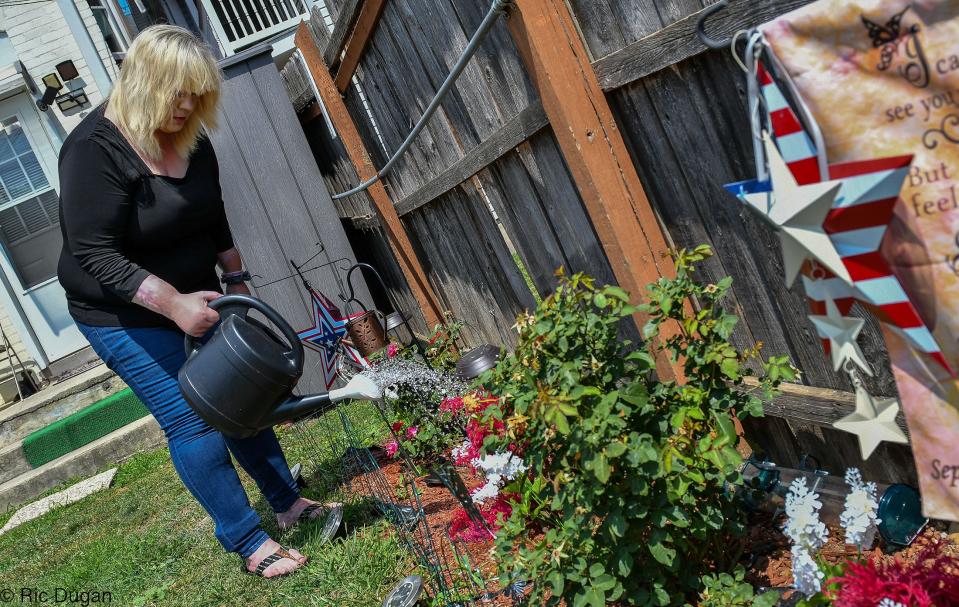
(285, 520)
(282, 566)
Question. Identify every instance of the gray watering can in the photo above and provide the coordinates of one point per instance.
(241, 380)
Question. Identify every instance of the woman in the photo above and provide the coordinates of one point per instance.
(143, 226)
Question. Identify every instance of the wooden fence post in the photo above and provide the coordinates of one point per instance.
(343, 122)
(589, 138)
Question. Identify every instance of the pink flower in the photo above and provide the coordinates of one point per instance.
(392, 350)
(411, 431)
(464, 529)
(391, 448)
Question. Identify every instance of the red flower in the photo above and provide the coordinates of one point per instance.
(452, 405)
(931, 580)
(398, 426)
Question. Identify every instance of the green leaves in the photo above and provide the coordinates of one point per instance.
(663, 554)
(626, 497)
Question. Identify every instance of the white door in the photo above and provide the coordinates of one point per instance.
(30, 237)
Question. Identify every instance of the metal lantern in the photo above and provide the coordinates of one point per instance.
(394, 322)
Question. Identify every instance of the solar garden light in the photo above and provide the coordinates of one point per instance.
(478, 360)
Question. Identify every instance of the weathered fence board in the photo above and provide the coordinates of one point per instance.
(372, 246)
(617, 66)
(342, 28)
(520, 128)
(467, 265)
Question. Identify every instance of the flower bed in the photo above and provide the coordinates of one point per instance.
(605, 486)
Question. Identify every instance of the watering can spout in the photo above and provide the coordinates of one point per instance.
(298, 406)
(358, 388)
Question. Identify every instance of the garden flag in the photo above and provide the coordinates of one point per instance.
(881, 78)
(325, 335)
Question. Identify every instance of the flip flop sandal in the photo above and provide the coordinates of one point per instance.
(281, 553)
(333, 520)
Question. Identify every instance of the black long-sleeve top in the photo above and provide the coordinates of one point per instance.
(121, 223)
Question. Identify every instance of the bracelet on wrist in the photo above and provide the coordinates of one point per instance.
(235, 278)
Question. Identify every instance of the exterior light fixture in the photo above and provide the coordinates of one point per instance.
(67, 70)
(53, 84)
(76, 98)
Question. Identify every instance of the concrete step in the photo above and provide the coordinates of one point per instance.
(56, 402)
(115, 447)
(13, 462)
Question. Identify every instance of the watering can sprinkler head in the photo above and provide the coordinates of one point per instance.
(360, 387)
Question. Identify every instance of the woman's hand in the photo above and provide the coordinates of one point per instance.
(191, 313)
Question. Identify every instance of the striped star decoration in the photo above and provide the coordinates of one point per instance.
(856, 225)
(325, 335)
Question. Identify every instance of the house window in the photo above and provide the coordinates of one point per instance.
(29, 209)
(20, 172)
(109, 29)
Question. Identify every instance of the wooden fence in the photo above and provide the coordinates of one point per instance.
(597, 131)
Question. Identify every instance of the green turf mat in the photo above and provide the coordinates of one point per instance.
(82, 427)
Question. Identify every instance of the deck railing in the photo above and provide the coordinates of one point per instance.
(242, 23)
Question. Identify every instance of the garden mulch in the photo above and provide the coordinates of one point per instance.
(440, 508)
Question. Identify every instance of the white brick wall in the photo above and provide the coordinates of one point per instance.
(41, 38)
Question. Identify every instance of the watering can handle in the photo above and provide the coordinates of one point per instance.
(240, 305)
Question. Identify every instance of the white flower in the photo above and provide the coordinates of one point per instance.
(889, 603)
(498, 468)
(503, 464)
(803, 526)
(807, 577)
(487, 491)
(859, 517)
(807, 533)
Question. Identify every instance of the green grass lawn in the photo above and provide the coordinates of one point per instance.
(147, 541)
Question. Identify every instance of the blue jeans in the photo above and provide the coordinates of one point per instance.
(148, 360)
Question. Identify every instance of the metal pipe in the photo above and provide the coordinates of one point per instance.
(498, 8)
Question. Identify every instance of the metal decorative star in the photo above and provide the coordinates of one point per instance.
(873, 422)
(799, 212)
(329, 327)
(841, 332)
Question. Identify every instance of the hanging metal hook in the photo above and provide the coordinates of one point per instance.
(708, 12)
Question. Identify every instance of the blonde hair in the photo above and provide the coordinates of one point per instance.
(162, 61)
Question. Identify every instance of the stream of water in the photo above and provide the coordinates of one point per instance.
(425, 382)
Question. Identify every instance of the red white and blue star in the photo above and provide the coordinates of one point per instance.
(326, 334)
